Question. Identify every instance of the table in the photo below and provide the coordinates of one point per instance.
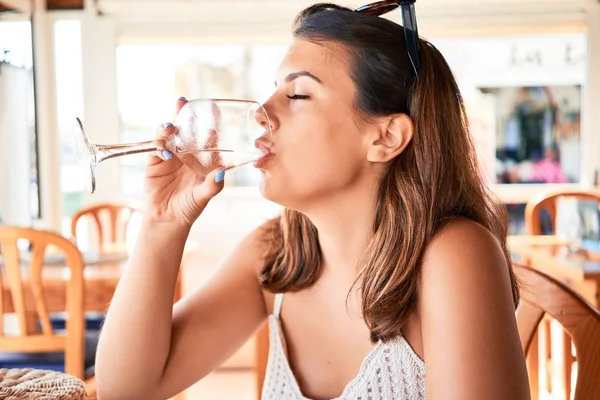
(101, 277)
(580, 269)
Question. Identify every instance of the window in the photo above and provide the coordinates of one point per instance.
(523, 98)
(18, 142)
(537, 134)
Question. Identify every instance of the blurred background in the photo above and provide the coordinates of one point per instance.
(529, 71)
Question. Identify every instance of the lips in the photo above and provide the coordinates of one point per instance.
(266, 153)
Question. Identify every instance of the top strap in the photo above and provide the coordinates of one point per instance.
(277, 305)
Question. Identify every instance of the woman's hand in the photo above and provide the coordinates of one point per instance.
(175, 192)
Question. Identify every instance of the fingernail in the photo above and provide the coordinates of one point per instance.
(167, 125)
(220, 175)
(182, 98)
(167, 154)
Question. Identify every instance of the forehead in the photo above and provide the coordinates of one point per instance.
(328, 61)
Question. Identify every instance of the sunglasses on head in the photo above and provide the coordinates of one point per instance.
(409, 22)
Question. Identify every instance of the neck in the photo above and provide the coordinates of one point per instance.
(344, 222)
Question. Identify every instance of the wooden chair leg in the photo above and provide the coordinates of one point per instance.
(567, 364)
(533, 370)
(548, 367)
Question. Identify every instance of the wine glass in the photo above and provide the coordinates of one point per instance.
(209, 134)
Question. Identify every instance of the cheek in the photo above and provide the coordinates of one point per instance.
(312, 164)
(320, 148)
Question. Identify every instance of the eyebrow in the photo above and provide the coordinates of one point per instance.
(298, 74)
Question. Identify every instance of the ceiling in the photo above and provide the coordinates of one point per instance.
(234, 13)
(19, 5)
(6, 5)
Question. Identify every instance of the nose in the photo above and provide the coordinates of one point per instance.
(265, 119)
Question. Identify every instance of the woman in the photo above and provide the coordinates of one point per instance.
(387, 275)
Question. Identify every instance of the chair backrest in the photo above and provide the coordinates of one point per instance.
(542, 295)
(110, 219)
(23, 293)
(547, 201)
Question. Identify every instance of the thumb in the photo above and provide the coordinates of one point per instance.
(212, 185)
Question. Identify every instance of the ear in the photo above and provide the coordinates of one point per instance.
(390, 137)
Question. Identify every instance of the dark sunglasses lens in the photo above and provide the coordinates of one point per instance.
(377, 10)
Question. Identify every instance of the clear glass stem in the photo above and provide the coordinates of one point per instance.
(104, 152)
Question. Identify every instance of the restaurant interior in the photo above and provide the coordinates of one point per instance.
(529, 73)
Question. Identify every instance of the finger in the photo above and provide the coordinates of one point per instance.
(182, 101)
(211, 186)
(162, 154)
(159, 156)
(165, 130)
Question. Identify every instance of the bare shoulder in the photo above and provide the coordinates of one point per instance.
(465, 262)
(467, 314)
(464, 253)
(464, 240)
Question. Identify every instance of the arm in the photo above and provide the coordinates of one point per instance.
(151, 350)
(470, 339)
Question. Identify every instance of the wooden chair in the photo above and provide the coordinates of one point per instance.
(547, 201)
(542, 295)
(37, 344)
(110, 219)
(112, 231)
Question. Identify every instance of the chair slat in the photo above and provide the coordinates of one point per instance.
(40, 343)
(114, 220)
(13, 271)
(99, 228)
(37, 287)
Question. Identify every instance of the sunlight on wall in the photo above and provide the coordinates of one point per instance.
(69, 104)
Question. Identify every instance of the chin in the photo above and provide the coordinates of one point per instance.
(267, 190)
(274, 192)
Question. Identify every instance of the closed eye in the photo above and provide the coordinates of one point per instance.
(297, 97)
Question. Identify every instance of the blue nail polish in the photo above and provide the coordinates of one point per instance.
(220, 175)
(167, 154)
(167, 125)
(182, 98)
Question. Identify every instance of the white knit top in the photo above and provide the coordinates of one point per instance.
(391, 370)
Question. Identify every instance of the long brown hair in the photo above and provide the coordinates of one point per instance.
(435, 179)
